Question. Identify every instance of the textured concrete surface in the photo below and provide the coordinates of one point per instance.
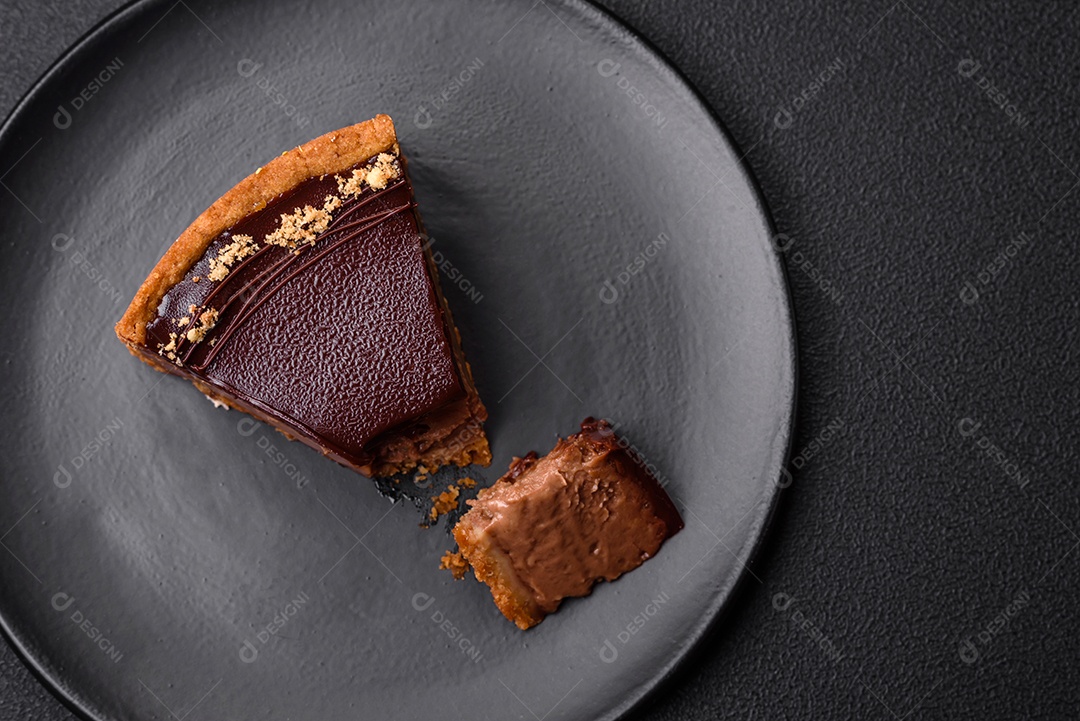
(921, 159)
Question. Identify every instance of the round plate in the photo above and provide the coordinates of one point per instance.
(604, 253)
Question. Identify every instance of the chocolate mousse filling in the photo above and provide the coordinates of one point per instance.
(553, 527)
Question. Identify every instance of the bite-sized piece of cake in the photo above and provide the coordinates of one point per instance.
(307, 297)
(552, 527)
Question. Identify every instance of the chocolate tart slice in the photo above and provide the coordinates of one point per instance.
(306, 296)
(553, 527)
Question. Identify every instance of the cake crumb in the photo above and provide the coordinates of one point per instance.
(376, 176)
(467, 483)
(353, 185)
(455, 563)
(304, 225)
(444, 503)
(241, 247)
(207, 320)
(166, 349)
(382, 172)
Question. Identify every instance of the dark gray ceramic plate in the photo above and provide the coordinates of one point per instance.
(605, 254)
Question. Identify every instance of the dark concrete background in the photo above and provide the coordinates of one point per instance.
(921, 158)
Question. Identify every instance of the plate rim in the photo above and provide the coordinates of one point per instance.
(693, 642)
(763, 518)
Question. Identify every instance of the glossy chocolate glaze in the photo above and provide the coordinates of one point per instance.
(343, 341)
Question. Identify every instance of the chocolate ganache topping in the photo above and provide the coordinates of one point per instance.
(320, 311)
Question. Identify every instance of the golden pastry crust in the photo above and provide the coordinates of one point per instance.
(493, 567)
(331, 153)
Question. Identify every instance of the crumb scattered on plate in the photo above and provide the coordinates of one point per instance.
(455, 563)
(445, 502)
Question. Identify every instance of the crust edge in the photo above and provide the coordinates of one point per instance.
(329, 153)
(492, 567)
